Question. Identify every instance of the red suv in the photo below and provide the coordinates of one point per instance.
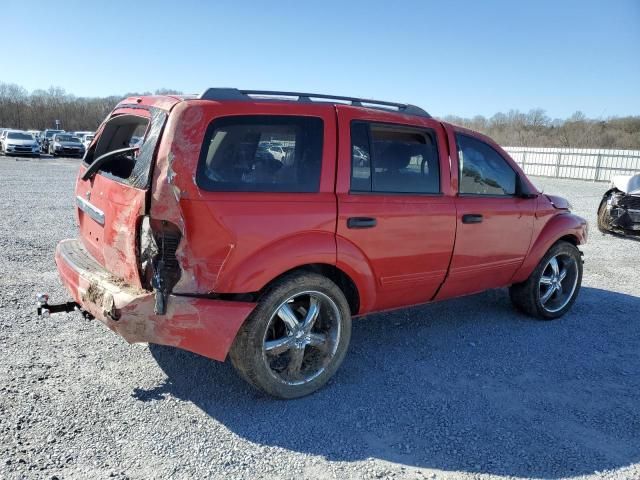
(256, 224)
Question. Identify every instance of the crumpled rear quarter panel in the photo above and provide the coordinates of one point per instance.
(226, 236)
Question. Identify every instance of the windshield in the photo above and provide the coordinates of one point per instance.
(19, 136)
(51, 133)
(67, 138)
(88, 138)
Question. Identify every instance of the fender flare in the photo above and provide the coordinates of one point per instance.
(255, 271)
(352, 261)
(297, 251)
(560, 226)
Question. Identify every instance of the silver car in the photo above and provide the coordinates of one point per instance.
(87, 139)
(17, 142)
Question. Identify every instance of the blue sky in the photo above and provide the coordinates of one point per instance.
(458, 57)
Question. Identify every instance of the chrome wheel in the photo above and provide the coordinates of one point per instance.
(558, 282)
(302, 337)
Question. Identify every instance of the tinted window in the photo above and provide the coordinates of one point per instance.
(483, 171)
(19, 136)
(393, 159)
(360, 158)
(67, 138)
(262, 154)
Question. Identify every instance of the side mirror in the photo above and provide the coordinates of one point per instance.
(523, 190)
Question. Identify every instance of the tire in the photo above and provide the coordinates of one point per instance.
(604, 218)
(547, 294)
(287, 359)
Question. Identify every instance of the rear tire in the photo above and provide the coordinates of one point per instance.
(296, 338)
(553, 286)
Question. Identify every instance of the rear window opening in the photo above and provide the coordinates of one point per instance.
(131, 139)
(122, 131)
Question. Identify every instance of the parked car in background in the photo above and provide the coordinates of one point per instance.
(45, 138)
(35, 134)
(619, 210)
(66, 145)
(81, 133)
(86, 139)
(199, 240)
(277, 152)
(17, 142)
(135, 141)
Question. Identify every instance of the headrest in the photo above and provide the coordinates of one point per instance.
(397, 155)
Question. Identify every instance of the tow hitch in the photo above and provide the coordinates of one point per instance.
(44, 308)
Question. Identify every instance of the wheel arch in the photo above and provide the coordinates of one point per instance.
(562, 227)
(310, 251)
(344, 282)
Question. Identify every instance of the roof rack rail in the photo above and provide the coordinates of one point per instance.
(234, 94)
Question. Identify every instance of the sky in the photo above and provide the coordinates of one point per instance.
(461, 58)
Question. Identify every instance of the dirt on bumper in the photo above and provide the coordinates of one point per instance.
(201, 325)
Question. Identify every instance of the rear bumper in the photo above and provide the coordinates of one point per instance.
(204, 326)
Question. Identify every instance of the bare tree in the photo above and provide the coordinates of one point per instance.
(41, 108)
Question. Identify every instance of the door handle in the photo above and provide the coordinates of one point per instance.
(361, 222)
(472, 218)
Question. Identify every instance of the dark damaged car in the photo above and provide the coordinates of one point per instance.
(619, 210)
(65, 145)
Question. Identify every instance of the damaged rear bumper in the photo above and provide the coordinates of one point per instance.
(201, 325)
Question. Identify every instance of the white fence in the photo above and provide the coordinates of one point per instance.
(579, 163)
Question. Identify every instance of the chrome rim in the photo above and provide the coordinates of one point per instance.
(558, 282)
(302, 337)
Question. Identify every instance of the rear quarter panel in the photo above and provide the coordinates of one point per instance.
(235, 242)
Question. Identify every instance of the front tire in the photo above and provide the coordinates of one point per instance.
(553, 286)
(296, 338)
(604, 218)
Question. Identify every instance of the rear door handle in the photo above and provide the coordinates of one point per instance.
(472, 218)
(361, 222)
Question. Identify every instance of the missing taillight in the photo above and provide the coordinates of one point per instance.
(159, 267)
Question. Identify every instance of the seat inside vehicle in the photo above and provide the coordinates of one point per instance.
(405, 167)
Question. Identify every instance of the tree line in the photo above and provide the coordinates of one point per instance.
(40, 109)
(536, 129)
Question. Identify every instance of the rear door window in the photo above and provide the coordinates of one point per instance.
(262, 154)
(393, 159)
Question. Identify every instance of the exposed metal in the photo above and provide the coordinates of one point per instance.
(233, 94)
(619, 210)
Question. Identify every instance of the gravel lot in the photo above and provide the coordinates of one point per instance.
(467, 388)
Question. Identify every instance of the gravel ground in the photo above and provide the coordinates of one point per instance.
(466, 388)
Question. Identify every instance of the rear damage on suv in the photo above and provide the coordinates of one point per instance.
(129, 261)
